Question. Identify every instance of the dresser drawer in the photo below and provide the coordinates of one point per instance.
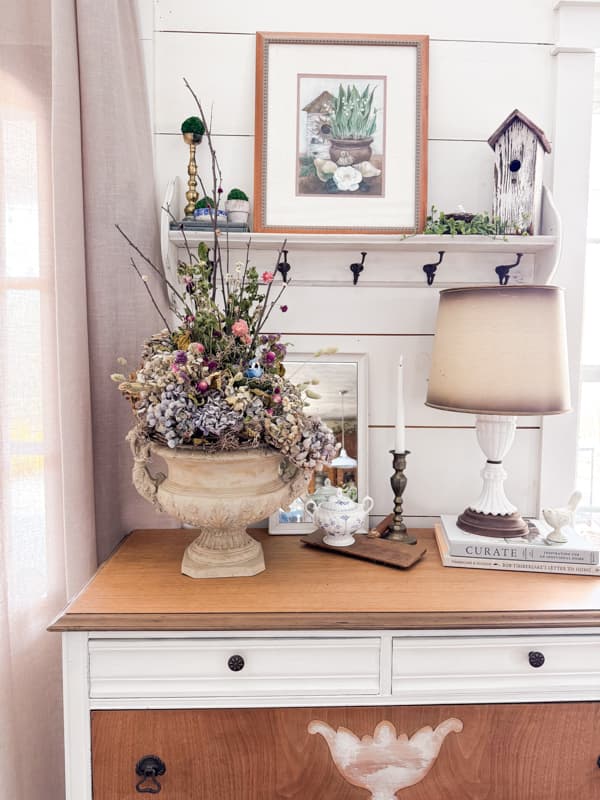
(233, 667)
(496, 667)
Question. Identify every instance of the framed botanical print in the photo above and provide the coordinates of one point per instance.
(340, 133)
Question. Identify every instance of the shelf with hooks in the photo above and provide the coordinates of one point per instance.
(418, 260)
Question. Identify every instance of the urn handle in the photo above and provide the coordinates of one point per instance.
(145, 483)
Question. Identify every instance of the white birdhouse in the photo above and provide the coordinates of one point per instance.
(318, 125)
(519, 146)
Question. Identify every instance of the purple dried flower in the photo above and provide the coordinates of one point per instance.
(180, 357)
(283, 308)
(270, 357)
(202, 386)
(212, 365)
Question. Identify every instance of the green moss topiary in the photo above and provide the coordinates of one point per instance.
(193, 125)
(205, 202)
(237, 194)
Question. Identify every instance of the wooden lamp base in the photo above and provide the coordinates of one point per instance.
(499, 526)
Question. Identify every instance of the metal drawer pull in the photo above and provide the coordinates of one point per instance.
(236, 663)
(536, 659)
(149, 768)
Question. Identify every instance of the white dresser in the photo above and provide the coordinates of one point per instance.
(222, 683)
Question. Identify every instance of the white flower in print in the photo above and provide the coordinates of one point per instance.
(347, 179)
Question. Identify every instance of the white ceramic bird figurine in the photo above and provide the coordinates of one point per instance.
(561, 517)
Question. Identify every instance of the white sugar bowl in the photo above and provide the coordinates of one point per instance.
(340, 517)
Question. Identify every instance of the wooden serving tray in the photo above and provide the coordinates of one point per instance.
(382, 551)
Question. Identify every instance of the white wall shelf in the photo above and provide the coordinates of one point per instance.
(323, 259)
(423, 243)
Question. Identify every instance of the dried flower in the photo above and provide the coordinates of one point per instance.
(283, 308)
(240, 328)
(267, 277)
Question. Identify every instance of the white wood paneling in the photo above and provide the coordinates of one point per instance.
(219, 68)
(460, 72)
(443, 470)
(462, 20)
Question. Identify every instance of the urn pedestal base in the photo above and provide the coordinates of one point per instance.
(241, 557)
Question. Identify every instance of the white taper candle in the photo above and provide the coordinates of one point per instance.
(400, 445)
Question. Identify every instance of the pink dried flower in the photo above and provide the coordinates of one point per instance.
(240, 328)
(267, 277)
(247, 339)
(202, 386)
(276, 398)
(270, 357)
(196, 347)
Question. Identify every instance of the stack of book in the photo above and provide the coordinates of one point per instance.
(529, 553)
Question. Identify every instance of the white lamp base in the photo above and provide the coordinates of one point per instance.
(492, 514)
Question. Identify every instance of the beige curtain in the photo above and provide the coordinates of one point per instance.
(75, 157)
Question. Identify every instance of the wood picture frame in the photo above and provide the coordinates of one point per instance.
(353, 158)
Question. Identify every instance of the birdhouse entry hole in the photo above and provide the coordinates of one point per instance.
(326, 129)
(515, 165)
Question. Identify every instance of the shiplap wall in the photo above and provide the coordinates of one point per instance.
(482, 65)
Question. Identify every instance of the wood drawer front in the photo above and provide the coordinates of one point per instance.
(199, 667)
(496, 668)
(503, 752)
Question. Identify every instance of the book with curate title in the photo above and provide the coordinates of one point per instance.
(515, 565)
(531, 547)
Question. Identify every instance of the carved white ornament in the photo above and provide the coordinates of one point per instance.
(385, 763)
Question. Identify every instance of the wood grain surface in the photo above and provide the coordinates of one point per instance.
(504, 752)
(141, 588)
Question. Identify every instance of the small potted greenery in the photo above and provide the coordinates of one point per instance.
(237, 207)
(205, 210)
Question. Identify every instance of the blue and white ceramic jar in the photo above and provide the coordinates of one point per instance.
(340, 518)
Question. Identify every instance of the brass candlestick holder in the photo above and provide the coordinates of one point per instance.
(397, 531)
(192, 139)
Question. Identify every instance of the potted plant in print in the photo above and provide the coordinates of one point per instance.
(343, 136)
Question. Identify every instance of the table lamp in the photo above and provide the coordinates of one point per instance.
(499, 352)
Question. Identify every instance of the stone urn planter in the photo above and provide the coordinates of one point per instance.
(345, 152)
(221, 493)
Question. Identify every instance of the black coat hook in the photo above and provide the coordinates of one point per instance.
(358, 267)
(503, 270)
(283, 266)
(431, 269)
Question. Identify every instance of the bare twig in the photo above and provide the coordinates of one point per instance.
(153, 266)
(144, 280)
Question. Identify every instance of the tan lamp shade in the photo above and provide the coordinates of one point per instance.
(500, 350)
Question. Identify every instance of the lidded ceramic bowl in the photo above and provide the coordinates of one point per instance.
(340, 517)
(323, 493)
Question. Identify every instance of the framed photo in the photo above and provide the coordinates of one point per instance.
(340, 133)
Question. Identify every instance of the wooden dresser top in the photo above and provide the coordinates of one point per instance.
(140, 587)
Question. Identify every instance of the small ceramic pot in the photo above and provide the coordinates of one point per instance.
(237, 211)
(323, 493)
(340, 517)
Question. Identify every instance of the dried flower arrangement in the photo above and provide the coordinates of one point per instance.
(216, 380)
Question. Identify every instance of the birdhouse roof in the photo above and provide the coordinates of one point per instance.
(513, 117)
(323, 102)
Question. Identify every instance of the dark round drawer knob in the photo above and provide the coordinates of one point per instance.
(536, 659)
(236, 663)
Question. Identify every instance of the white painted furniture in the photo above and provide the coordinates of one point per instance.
(317, 631)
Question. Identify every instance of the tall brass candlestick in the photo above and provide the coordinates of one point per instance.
(191, 195)
(397, 530)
